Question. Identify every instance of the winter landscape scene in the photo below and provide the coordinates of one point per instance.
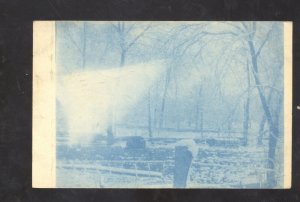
(169, 104)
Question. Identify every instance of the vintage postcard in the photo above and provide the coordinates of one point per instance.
(162, 104)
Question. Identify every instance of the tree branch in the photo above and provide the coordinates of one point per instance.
(268, 86)
(129, 28)
(220, 33)
(253, 29)
(116, 27)
(245, 26)
(137, 37)
(264, 42)
(234, 26)
(73, 41)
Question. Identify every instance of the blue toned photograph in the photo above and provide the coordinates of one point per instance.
(169, 104)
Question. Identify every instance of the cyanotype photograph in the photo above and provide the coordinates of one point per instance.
(171, 104)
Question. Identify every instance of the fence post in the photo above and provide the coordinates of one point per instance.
(183, 159)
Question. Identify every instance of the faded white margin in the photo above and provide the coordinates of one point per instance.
(288, 76)
(43, 106)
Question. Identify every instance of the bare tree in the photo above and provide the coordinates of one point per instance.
(125, 39)
(254, 55)
(163, 103)
(84, 44)
(246, 33)
(246, 110)
(149, 114)
(199, 111)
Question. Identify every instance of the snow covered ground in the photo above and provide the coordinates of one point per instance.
(212, 167)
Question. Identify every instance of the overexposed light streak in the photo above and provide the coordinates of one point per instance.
(88, 96)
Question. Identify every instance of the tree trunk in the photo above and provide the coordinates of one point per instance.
(197, 117)
(246, 122)
(122, 59)
(199, 112)
(263, 121)
(273, 128)
(259, 88)
(162, 111)
(177, 105)
(149, 115)
(272, 147)
(201, 121)
(246, 111)
(261, 130)
(84, 45)
(155, 114)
